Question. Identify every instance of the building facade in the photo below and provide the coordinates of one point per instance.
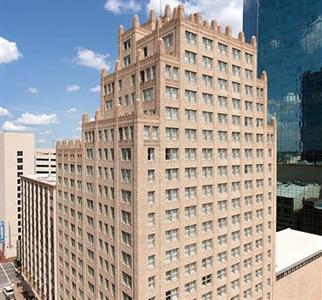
(17, 154)
(290, 198)
(38, 244)
(45, 161)
(170, 192)
(311, 108)
(289, 34)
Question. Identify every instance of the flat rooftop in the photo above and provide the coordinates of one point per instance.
(295, 247)
(292, 190)
(48, 179)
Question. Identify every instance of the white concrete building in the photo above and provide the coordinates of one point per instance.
(38, 234)
(45, 160)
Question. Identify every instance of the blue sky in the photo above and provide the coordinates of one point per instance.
(51, 52)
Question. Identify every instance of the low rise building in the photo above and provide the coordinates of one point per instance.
(289, 202)
(298, 265)
(45, 160)
(38, 234)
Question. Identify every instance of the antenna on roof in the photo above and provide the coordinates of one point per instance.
(160, 8)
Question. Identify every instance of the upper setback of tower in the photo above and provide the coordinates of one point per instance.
(142, 48)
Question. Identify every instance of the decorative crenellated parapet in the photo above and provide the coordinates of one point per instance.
(152, 19)
(98, 115)
(228, 31)
(253, 41)
(191, 17)
(219, 29)
(213, 25)
(167, 12)
(85, 118)
(104, 73)
(136, 22)
(241, 37)
(198, 18)
(175, 12)
(180, 12)
(206, 23)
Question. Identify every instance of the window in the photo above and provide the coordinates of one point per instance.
(207, 80)
(171, 195)
(171, 255)
(206, 280)
(207, 98)
(172, 294)
(151, 154)
(172, 215)
(190, 249)
(151, 261)
(222, 48)
(190, 268)
(171, 153)
(171, 92)
(191, 38)
(151, 282)
(171, 134)
(190, 287)
(127, 45)
(190, 173)
(168, 40)
(190, 76)
(236, 54)
(207, 62)
(148, 94)
(127, 60)
(171, 174)
(222, 84)
(207, 43)
(190, 57)
(191, 115)
(222, 66)
(171, 113)
(190, 230)
(191, 96)
(171, 235)
(172, 275)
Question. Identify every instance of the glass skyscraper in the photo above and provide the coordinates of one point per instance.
(289, 34)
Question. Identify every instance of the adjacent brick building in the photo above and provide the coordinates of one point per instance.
(170, 193)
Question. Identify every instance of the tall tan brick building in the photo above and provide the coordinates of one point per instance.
(170, 192)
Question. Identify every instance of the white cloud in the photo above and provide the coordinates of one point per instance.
(8, 51)
(4, 112)
(42, 141)
(226, 12)
(33, 90)
(9, 126)
(72, 110)
(122, 6)
(72, 88)
(79, 128)
(46, 132)
(42, 119)
(96, 88)
(89, 58)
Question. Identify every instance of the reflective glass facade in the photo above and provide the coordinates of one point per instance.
(290, 50)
